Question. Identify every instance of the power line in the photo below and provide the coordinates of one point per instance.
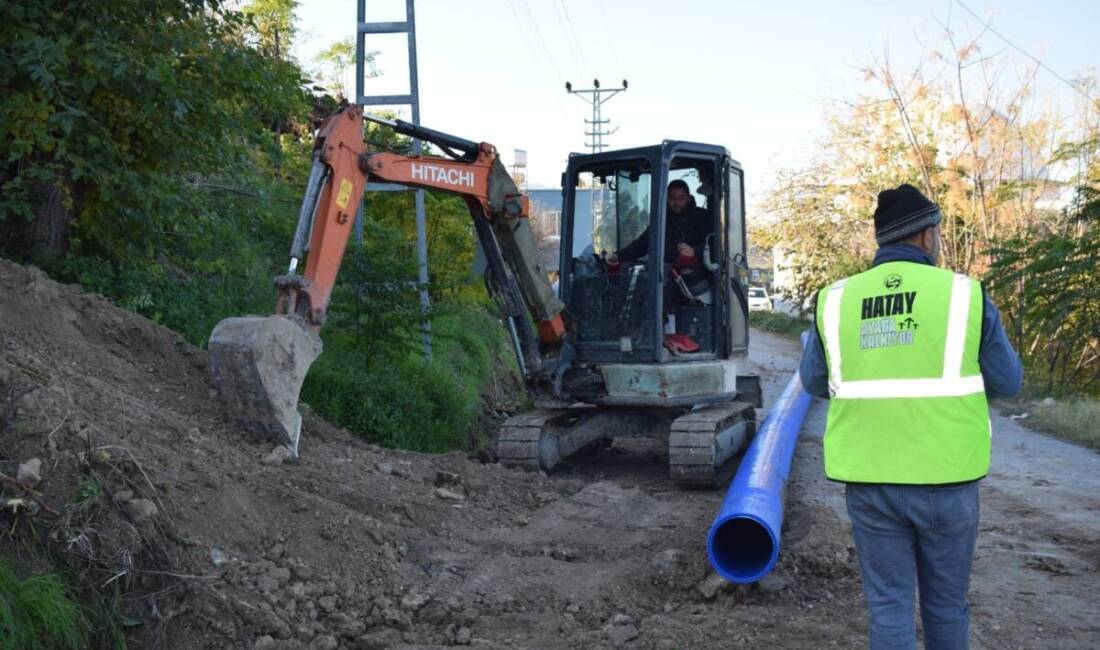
(1022, 51)
(527, 40)
(538, 34)
(610, 40)
(573, 33)
(568, 43)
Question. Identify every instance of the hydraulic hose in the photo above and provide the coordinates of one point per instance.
(743, 542)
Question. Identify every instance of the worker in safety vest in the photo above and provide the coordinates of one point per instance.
(908, 353)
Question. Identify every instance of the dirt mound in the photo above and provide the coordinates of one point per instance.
(219, 542)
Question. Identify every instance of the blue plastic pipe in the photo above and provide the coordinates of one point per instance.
(743, 543)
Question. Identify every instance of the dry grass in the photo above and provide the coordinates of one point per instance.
(1076, 419)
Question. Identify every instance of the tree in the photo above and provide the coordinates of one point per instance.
(273, 25)
(1046, 276)
(951, 126)
(111, 108)
(336, 60)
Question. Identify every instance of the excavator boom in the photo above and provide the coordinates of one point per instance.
(259, 363)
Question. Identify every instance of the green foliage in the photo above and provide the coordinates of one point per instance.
(122, 105)
(340, 55)
(273, 24)
(336, 60)
(779, 323)
(395, 399)
(88, 489)
(816, 246)
(1047, 285)
(451, 245)
(375, 304)
(37, 612)
(173, 136)
(1045, 279)
(218, 262)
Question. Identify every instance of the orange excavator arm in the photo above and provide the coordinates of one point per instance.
(342, 166)
(259, 363)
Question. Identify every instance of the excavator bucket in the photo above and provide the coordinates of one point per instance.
(258, 364)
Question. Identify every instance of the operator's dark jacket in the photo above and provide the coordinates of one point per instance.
(691, 226)
(999, 364)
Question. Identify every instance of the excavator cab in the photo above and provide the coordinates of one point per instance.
(655, 309)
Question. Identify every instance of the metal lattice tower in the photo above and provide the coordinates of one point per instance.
(412, 99)
(596, 96)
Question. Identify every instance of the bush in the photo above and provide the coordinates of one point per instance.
(779, 323)
(217, 261)
(37, 612)
(1045, 284)
(398, 400)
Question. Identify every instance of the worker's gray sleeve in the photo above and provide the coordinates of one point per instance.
(1001, 369)
(812, 369)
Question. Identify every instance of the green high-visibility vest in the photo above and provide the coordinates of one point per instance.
(907, 401)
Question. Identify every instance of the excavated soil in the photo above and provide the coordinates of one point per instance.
(217, 542)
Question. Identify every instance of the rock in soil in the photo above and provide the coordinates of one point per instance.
(30, 472)
(711, 585)
(277, 456)
(444, 493)
(463, 636)
(142, 510)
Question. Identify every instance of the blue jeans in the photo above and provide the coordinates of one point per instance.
(912, 537)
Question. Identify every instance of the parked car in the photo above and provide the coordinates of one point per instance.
(759, 299)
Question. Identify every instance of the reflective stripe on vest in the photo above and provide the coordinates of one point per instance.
(951, 384)
(908, 403)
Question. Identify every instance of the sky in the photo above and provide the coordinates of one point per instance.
(754, 77)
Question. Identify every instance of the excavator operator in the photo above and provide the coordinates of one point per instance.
(686, 233)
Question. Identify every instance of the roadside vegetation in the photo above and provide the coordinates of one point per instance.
(780, 323)
(1073, 419)
(1016, 175)
(169, 180)
(156, 153)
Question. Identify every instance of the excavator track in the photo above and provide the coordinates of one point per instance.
(518, 443)
(702, 442)
(543, 438)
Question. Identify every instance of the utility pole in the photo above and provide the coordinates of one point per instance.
(597, 99)
(408, 27)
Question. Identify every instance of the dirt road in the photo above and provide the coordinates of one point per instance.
(220, 544)
(1037, 567)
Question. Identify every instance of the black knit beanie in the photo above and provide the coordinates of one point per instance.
(903, 212)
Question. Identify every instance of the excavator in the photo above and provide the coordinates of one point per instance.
(614, 350)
